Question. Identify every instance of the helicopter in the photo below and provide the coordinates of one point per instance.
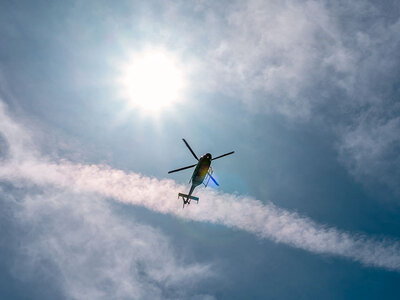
(202, 173)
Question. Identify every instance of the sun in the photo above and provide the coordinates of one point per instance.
(152, 81)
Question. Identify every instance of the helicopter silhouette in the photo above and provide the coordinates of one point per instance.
(202, 172)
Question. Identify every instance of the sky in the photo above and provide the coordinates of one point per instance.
(95, 98)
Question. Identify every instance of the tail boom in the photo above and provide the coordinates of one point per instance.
(186, 198)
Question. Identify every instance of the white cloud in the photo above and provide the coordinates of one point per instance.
(370, 150)
(272, 53)
(369, 146)
(264, 220)
(97, 254)
(331, 62)
(17, 139)
(79, 242)
(291, 56)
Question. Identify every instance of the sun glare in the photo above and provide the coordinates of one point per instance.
(152, 81)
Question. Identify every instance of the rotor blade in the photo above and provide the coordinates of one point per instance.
(187, 145)
(212, 178)
(223, 155)
(180, 169)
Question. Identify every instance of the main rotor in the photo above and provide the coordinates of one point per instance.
(207, 155)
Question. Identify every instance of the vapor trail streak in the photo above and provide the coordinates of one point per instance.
(245, 213)
(24, 165)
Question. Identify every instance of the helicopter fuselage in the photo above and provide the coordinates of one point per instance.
(199, 174)
(201, 169)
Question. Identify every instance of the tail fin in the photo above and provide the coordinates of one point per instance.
(186, 198)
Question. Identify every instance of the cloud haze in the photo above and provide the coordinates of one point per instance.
(370, 149)
(75, 241)
(244, 213)
(333, 63)
(94, 254)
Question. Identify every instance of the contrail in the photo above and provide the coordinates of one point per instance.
(264, 220)
(245, 213)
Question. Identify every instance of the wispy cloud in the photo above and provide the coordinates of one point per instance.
(296, 58)
(274, 54)
(369, 149)
(96, 254)
(293, 56)
(77, 241)
(245, 213)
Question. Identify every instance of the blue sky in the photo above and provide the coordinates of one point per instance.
(305, 92)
